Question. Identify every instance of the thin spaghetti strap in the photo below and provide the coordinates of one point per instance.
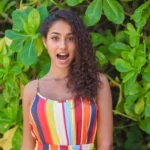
(37, 85)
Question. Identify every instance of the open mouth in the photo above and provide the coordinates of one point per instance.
(62, 56)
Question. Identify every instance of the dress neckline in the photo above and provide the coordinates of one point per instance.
(54, 100)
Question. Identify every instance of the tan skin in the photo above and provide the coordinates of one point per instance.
(61, 40)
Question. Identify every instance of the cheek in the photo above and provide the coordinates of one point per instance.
(51, 48)
(51, 52)
(73, 47)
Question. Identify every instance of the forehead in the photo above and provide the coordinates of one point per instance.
(60, 26)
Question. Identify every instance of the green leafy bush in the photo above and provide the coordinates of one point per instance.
(120, 35)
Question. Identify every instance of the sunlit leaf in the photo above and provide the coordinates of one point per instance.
(139, 105)
(93, 12)
(6, 141)
(29, 54)
(113, 11)
(73, 2)
(122, 65)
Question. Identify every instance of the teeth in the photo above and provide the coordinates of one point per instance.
(62, 54)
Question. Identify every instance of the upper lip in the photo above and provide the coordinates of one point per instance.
(62, 53)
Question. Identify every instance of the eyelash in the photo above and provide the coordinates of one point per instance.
(56, 38)
(71, 38)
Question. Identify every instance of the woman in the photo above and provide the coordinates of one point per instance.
(67, 107)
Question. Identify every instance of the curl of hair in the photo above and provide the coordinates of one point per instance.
(83, 76)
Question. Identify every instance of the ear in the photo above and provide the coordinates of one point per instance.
(44, 42)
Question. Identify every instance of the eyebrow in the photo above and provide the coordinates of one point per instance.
(59, 33)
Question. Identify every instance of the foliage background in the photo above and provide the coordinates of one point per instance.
(120, 34)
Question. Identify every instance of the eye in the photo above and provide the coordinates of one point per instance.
(70, 38)
(55, 38)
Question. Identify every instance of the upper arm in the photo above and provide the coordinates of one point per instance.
(28, 141)
(105, 117)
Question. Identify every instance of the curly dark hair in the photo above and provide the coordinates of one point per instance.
(83, 76)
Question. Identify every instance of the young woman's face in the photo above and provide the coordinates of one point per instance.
(60, 43)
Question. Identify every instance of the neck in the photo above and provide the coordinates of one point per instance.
(58, 73)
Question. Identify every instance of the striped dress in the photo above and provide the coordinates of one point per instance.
(63, 125)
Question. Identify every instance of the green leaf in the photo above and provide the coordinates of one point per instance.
(133, 139)
(113, 11)
(129, 83)
(58, 4)
(17, 137)
(43, 12)
(139, 106)
(118, 47)
(2, 102)
(73, 2)
(28, 54)
(135, 88)
(5, 122)
(9, 5)
(39, 45)
(139, 62)
(16, 45)
(147, 69)
(133, 35)
(149, 56)
(23, 78)
(130, 99)
(145, 16)
(101, 57)
(128, 56)
(2, 44)
(128, 76)
(16, 70)
(129, 109)
(1, 6)
(109, 36)
(34, 20)
(138, 12)
(133, 40)
(131, 29)
(93, 12)
(147, 98)
(6, 94)
(120, 36)
(2, 72)
(146, 74)
(96, 38)
(15, 35)
(11, 82)
(44, 70)
(122, 65)
(6, 61)
(28, 29)
(126, 0)
(145, 124)
(19, 18)
(147, 41)
(147, 111)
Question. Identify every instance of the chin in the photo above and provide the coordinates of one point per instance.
(63, 66)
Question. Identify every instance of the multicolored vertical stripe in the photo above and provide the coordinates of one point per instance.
(63, 125)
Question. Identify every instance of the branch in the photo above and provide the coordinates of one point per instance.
(7, 18)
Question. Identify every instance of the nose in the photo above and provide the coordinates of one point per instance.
(62, 44)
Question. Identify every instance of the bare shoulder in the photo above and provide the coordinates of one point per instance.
(29, 91)
(104, 80)
(104, 91)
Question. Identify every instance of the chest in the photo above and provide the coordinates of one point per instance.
(55, 90)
